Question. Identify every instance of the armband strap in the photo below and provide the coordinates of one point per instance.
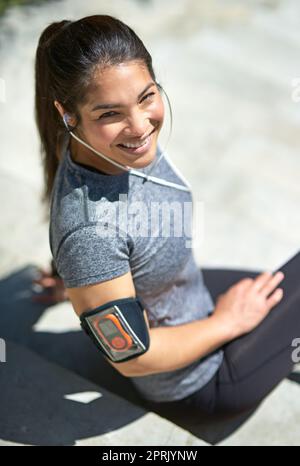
(118, 328)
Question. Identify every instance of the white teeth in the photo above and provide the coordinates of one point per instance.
(134, 146)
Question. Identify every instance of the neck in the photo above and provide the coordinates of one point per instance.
(84, 156)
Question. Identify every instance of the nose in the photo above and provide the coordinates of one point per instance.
(138, 125)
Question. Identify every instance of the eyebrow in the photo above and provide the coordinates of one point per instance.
(101, 106)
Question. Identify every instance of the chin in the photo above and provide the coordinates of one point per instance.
(142, 161)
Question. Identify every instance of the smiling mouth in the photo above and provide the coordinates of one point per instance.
(138, 144)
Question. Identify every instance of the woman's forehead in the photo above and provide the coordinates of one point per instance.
(118, 82)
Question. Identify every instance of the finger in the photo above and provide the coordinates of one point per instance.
(261, 280)
(45, 282)
(244, 283)
(41, 276)
(271, 284)
(275, 298)
(43, 273)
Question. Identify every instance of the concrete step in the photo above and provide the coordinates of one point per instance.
(44, 404)
(54, 334)
(275, 423)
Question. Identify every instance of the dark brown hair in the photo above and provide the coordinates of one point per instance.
(67, 56)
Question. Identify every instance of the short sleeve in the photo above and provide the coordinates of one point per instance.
(91, 255)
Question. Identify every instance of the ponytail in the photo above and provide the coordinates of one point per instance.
(46, 115)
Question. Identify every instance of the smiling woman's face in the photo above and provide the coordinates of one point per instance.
(123, 107)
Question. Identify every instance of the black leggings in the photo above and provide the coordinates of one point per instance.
(253, 364)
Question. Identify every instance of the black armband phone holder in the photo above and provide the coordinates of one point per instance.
(118, 328)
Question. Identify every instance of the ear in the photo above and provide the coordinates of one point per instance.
(62, 112)
(60, 108)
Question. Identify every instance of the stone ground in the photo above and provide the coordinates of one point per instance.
(232, 73)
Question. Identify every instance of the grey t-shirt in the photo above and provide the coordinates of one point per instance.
(102, 226)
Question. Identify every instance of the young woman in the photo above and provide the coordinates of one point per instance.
(218, 346)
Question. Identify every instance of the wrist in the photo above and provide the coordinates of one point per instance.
(224, 327)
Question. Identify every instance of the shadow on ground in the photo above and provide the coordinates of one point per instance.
(33, 408)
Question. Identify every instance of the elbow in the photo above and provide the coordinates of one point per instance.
(133, 371)
(137, 367)
(133, 368)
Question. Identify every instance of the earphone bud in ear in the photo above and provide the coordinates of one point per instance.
(66, 121)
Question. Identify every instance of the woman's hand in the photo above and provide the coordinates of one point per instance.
(51, 287)
(244, 306)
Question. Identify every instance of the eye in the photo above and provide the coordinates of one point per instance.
(110, 114)
(148, 95)
(107, 115)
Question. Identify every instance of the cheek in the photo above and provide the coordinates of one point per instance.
(103, 135)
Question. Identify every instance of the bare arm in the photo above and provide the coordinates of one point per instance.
(237, 311)
(175, 347)
(170, 347)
